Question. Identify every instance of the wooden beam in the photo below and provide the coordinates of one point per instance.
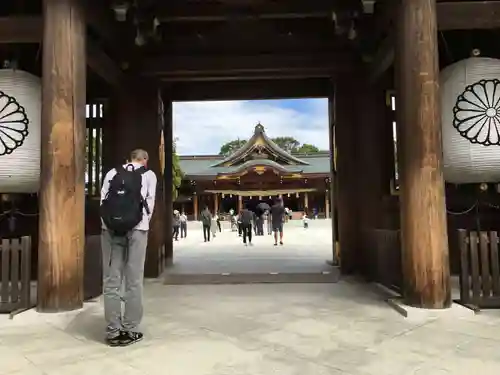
(248, 90)
(21, 29)
(29, 29)
(100, 19)
(62, 175)
(189, 67)
(424, 239)
(181, 11)
(467, 15)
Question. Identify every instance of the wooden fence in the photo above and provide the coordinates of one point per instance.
(479, 269)
(15, 274)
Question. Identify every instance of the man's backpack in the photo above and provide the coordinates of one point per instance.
(122, 209)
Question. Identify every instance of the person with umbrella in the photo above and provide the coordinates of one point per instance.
(262, 208)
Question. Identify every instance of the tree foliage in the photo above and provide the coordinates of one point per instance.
(176, 172)
(230, 147)
(307, 148)
(289, 144)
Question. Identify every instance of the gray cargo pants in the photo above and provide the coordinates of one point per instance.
(123, 261)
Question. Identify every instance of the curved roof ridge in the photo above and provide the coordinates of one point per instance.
(259, 132)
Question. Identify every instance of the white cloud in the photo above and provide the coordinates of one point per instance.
(203, 127)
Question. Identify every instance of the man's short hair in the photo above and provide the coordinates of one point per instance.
(139, 155)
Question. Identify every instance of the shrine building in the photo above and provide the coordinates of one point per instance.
(257, 172)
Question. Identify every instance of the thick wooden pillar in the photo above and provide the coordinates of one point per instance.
(135, 122)
(422, 196)
(168, 184)
(306, 201)
(346, 110)
(375, 142)
(195, 206)
(62, 179)
(333, 176)
(240, 203)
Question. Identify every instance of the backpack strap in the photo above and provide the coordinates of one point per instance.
(141, 171)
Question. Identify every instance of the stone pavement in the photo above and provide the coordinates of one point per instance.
(304, 251)
(261, 329)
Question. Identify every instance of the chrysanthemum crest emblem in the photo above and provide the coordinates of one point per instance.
(477, 113)
(13, 124)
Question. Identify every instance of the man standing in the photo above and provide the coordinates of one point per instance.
(246, 217)
(127, 203)
(176, 224)
(206, 221)
(277, 219)
(183, 220)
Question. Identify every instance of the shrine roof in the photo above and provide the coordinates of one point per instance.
(260, 153)
(202, 165)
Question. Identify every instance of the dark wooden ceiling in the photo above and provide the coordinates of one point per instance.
(238, 43)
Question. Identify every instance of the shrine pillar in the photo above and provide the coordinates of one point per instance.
(422, 196)
(135, 120)
(240, 203)
(62, 175)
(195, 207)
(168, 139)
(216, 203)
(345, 110)
(306, 201)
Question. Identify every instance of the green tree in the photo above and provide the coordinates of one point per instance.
(289, 144)
(176, 173)
(232, 146)
(307, 148)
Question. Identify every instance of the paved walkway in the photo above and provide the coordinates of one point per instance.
(282, 329)
(304, 251)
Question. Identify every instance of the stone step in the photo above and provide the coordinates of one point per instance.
(331, 276)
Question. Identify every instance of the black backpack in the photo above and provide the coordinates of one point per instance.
(122, 209)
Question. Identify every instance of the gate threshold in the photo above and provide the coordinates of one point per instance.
(331, 276)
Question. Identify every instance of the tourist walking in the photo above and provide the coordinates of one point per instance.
(206, 221)
(213, 226)
(183, 219)
(217, 215)
(277, 219)
(127, 204)
(176, 224)
(246, 218)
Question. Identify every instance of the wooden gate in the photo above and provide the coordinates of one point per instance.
(15, 274)
(479, 269)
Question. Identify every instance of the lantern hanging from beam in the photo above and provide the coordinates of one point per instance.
(470, 120)
(20, 118)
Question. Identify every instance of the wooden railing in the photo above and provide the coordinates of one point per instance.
(479, 269)
(15, 274)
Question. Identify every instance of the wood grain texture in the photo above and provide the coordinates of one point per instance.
(62, 185)
(422, 199)
(346, 112)
(167, 177)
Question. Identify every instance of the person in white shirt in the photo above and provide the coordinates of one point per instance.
(183, 220)
(123, 257)
(305, 220)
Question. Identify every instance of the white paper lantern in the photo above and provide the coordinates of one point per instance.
(20, 117)
(470, 105)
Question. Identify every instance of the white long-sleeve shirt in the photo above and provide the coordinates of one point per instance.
(148, 192)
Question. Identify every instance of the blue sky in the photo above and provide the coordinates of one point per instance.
(202, 127)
